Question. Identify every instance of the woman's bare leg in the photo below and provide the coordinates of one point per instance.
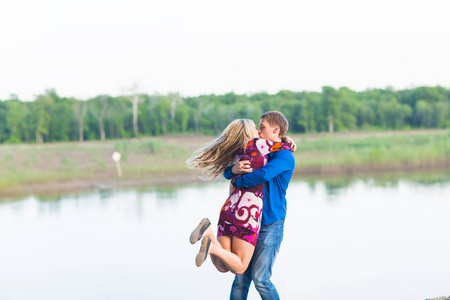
(229, 253)
(210, 233)
(236, 260)
(218, 263)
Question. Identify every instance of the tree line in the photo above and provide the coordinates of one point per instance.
(51, 118)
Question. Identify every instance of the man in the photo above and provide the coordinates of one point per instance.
(276, 175)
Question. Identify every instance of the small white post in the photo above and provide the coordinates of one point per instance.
(116, 158)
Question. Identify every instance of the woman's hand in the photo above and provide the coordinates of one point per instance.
(288, 140)
(241, 167)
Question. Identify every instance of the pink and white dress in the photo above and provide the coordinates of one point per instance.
(240, 216)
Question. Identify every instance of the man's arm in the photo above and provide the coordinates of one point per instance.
(281, 161)
(241, 167)
(227, 173)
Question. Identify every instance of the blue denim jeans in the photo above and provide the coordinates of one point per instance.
(260, 268)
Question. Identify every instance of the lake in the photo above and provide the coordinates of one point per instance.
(344, 239)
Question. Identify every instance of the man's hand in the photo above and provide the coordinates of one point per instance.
(242, 167)
(288, 140)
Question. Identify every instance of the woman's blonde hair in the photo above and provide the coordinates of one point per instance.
(215, 157)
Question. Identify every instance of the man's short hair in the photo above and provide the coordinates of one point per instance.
(276, 118)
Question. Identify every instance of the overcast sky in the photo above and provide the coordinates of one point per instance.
(85, 48)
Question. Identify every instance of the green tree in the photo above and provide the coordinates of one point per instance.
(14, 120)
(163, 108)
(79, 109)
(118, 120)
(442, 114)
(348, 107)
(4, 131)
(424, 114)
(98, 107)
(330, 106)
(40, 114)
(61, 120)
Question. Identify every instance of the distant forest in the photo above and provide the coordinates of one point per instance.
(51, 118)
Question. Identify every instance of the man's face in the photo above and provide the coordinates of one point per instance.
(268, 132)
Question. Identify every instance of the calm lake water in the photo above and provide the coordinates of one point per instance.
(359, 239)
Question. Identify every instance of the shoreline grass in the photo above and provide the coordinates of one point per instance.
(162, 159)
(396, 149)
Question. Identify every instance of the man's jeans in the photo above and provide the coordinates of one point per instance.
(260, 267)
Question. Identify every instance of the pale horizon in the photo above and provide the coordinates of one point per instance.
(87, 48)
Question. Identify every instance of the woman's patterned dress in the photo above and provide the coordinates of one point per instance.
(240, 216)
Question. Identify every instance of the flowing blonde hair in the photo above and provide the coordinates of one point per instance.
(219, 154)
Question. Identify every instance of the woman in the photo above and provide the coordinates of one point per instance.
(240, 216)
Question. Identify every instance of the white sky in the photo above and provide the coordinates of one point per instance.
(85, 48)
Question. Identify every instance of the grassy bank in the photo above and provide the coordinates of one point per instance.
(159, 160)
(373, 152)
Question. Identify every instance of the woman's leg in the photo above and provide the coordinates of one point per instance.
(229, 253)
(226, 243)
(238, 258)
(210, 233)
(217, 261)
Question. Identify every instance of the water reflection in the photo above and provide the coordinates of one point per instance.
(333, 186)
(344, 237)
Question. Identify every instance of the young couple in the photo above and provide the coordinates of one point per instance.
(251, 221)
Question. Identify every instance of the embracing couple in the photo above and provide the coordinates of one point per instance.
(250, 228)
